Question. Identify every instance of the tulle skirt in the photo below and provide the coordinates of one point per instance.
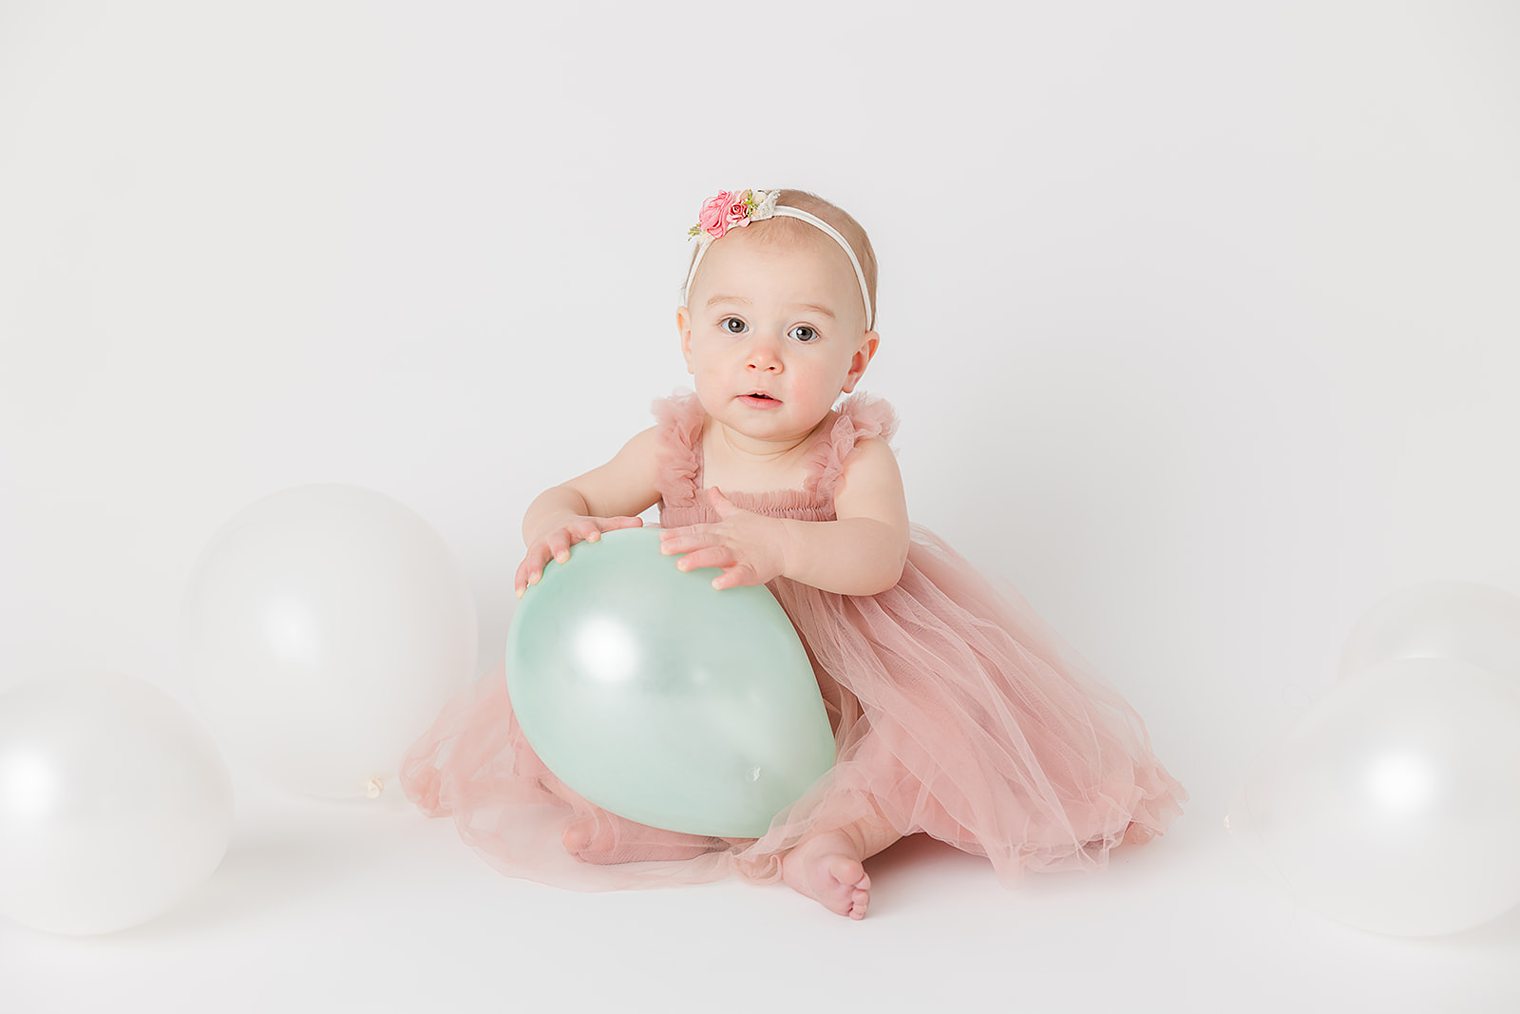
(956, 713)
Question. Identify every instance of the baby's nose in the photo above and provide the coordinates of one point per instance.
(766, 351)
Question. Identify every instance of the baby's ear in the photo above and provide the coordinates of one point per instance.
(683, 325)
(861, 359)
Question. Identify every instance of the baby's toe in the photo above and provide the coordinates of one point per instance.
(847, 874)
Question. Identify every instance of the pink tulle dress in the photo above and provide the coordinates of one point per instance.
(956, 712)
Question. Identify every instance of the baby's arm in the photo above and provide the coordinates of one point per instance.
(582, 507)
(623, 487)
(864, 552)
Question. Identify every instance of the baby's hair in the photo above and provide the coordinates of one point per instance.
(790, 230)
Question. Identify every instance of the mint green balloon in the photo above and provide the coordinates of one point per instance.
(661, 698)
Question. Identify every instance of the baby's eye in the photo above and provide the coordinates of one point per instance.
(810, 331)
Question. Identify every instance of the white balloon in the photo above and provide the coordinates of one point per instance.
(1433, 619)
(1394, 805)
(114, 803)
(324, 628)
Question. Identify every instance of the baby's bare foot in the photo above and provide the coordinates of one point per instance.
(582, 832)
(826, 867)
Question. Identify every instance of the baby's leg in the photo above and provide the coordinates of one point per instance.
(872, 833)
(606, 838)
(869, 835)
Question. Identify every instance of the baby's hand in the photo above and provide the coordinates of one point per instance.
(557, 540)
(749, 547)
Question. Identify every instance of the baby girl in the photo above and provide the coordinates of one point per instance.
(956, 711)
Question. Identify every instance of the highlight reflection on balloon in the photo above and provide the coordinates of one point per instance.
(660, 698)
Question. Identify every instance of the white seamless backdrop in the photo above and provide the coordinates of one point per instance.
(1200, 318)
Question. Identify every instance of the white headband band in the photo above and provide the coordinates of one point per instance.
(726, 210)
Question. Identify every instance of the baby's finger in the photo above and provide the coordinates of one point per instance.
(532, 559)
(537, 558)
(600, 525)
(685, 537)
(527, 573)
(559, 547)
(734, 577)
(681, 544)
(713, 556)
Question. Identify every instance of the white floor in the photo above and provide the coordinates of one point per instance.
(373, 907)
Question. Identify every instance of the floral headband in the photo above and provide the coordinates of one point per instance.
(724, 211)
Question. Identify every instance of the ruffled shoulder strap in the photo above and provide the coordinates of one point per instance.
(679, 416)
(861, 415)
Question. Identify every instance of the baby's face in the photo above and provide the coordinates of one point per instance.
(784, 317)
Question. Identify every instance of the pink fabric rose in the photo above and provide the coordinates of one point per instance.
(738, 213)
(714, 217)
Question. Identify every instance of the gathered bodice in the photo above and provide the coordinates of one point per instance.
(683, 499)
